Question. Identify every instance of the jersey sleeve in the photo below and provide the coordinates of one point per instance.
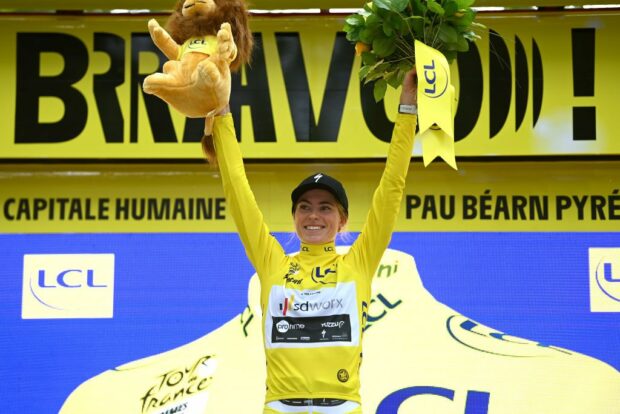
(377, 231)
(261, 247)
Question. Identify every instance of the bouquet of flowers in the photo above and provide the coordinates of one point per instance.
(385, 30)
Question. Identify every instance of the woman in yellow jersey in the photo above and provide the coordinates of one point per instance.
(315, 303)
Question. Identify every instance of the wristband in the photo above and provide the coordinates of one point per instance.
(407, 109)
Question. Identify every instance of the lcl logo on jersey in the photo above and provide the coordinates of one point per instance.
(604, 279)
(64, 286)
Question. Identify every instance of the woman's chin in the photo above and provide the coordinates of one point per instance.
(313, 239)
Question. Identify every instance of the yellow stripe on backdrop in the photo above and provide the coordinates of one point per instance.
(72, 91)
(510, 196)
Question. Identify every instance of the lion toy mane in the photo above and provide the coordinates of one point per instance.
(204, 41)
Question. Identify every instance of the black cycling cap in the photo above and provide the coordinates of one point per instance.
(325, 182)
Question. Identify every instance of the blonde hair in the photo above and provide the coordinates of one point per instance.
(343, 216)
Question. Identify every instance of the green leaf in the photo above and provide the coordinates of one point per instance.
(377, 71)
(464, 3)
(466, 19)
(418, 27)
(364, 71)
(450, 55)
(392, 24)
(396, 21)
(405, 29)
(392, 79)
(449, 46)
(379, 89)
(399, 5)
(353, 35)
(450, 8)
(435, 7)
(419, 8)
(382, 4)
(447, 33)
(401, 76)
(388, 29)
(368, 35)
(382, 13)
(369, 58)
(373, 21)
(384, 46)
(405, 65)
(355, 20)
(462, 45)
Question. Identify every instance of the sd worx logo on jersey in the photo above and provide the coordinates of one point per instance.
(329, 305)
(604, 279)
(64, 286)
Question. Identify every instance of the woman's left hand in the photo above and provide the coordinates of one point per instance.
(409, 91)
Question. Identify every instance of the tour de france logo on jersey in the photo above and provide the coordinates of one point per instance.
(604, 279)
(65, 286)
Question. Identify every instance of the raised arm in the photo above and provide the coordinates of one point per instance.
(377, 230)
(261, 247)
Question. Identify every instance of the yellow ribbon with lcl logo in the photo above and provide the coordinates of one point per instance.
(436, 105)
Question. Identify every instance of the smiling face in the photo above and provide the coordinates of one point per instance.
(317, 217)
(197, 7)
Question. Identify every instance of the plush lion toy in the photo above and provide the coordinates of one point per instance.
(204, 40)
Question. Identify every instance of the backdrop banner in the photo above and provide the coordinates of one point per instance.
(568, 196)
(533, 85)
(152, 323)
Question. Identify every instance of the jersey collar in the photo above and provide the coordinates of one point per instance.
(318, 249)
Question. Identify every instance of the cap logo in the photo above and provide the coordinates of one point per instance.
(317, 177)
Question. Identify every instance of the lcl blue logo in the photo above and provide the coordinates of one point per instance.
(70, 278)
(477, 401)
(430, 76)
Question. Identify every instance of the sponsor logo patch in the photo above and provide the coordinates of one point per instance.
(312, 318)
(66, 286)
(334, 328)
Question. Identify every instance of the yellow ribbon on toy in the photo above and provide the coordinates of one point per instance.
(436, 99)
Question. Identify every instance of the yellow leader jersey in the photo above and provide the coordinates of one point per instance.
(314, 304)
